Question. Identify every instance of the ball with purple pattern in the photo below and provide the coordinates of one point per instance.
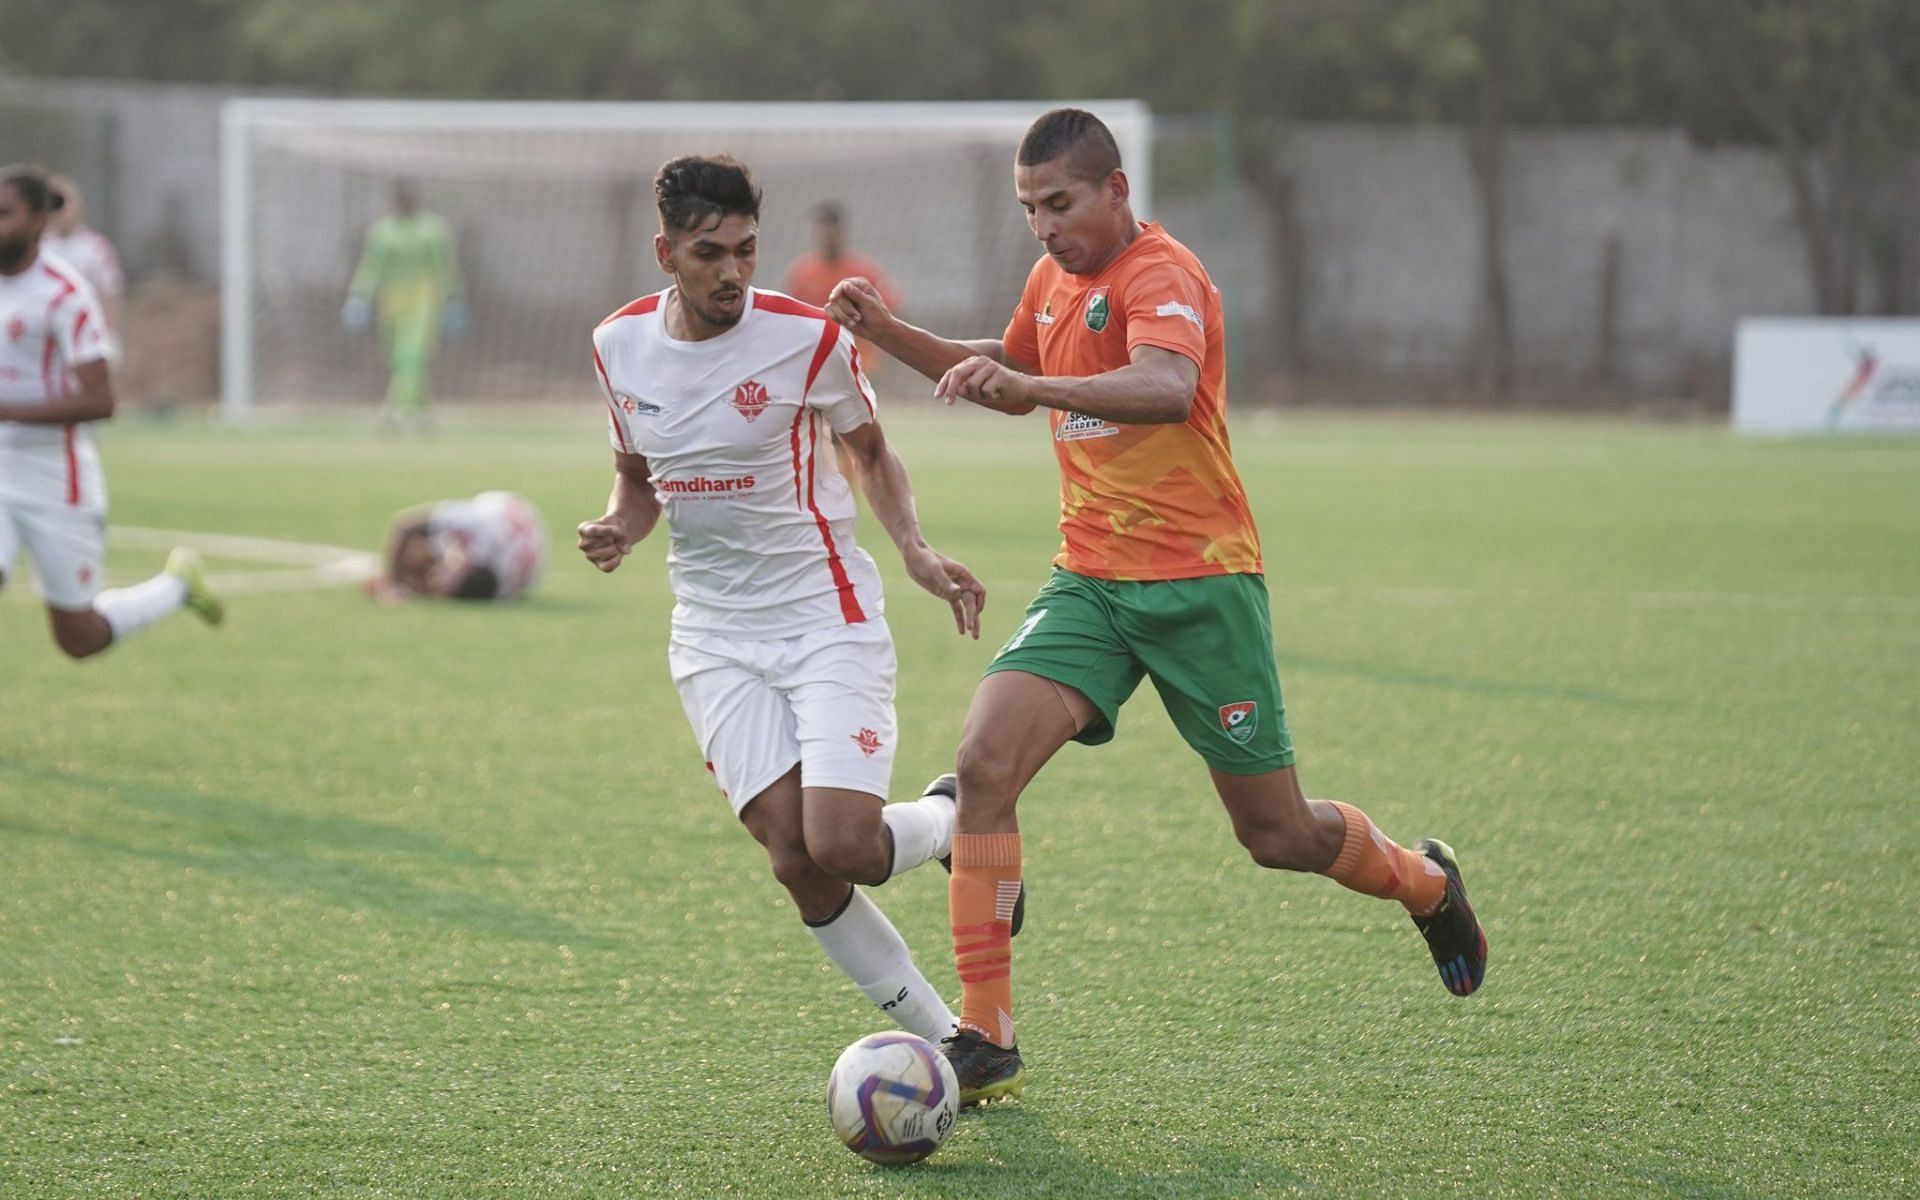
(893, 1098)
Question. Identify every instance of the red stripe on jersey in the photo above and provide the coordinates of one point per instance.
(640, 307)
(67, 286)
(79, 324)
(849, 603)
(853, 351)
(793, 436)
(787, 306)
(73, 470)
(828, 336)
(612, 415)
(48, 379)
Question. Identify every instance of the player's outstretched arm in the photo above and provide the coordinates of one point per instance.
(1155, 388)
(857, 304)
(632, 512)
(883, 479)
(92, 400)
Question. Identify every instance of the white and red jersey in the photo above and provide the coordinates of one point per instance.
(50, 323)
(496, 530)
(88, 251)
(737, 432)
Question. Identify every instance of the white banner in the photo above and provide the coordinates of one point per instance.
(1827, 375)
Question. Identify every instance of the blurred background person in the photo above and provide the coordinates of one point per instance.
(811, 278)
(409, 279)
(87, 250)
(491, 547)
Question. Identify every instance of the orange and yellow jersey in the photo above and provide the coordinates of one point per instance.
(1139, 501)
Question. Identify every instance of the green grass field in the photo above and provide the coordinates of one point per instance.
(347, 900)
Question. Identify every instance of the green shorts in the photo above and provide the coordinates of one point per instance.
(1206, 643)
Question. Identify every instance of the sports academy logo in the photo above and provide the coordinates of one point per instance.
(1239, 721)
(635, 406)
(751, 399)
(1097, 310)
(1045, 315)
(1078, 427)
(868, 741)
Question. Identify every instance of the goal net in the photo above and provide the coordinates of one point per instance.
(551, 206)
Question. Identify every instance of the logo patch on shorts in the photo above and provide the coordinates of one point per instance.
(868, 741)
(1240, 720)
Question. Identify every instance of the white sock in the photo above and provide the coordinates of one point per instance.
(128, 610)
(864, 944)
(922, 829)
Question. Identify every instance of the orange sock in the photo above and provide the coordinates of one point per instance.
(980, 899)
(1373, 863)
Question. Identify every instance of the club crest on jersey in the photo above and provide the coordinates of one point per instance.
(751, 399)
(16, 328)
(1097, 311)
(1240, 720)
(868, 741)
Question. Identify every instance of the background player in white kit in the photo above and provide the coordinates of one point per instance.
(54, 350)
(491, 547)
(723, 400)
(85, 249)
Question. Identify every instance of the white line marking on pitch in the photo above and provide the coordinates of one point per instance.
(317, 565)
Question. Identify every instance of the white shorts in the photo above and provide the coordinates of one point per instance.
(822, 699)
(67, 546)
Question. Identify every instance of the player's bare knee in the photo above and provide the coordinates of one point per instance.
(78, 644)
(793, 867)
(988, 785)
(851, 859)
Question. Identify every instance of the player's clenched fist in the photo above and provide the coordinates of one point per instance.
(858, 305)
(605, 542)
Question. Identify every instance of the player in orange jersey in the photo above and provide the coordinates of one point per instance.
(1119, 334)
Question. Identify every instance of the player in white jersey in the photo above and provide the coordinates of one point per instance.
(71, 240)
(54, 351)
(723, 400)
(492, 547)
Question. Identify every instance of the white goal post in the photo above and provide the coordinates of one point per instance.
(552, 208)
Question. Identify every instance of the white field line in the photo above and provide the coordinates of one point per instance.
(315, 565)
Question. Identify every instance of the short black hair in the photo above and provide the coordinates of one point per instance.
(1085, 138)
(479, 583)
(694, 188)
(35, 187)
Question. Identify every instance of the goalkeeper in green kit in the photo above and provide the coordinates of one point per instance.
(410, 278)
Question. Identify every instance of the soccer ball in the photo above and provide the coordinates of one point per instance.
(893, 1098)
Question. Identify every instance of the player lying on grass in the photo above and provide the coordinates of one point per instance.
(54, 383)
(1119, 333)
(492, 547)
(722, 400)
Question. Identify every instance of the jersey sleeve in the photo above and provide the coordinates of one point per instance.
(619, 431)
(841, 391)
(1021, 342)
(79, 330)
(1165, 306)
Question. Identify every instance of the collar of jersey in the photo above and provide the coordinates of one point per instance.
(666, 335)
